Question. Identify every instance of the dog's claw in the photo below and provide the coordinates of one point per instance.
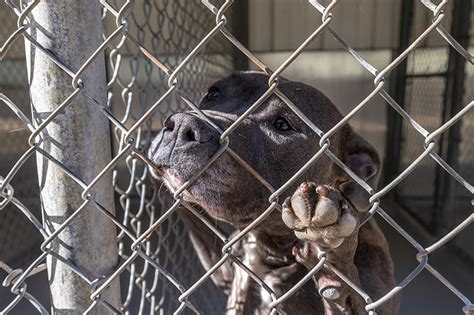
(319, 214)
(330, 293)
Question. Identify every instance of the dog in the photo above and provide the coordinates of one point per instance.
(320, 214)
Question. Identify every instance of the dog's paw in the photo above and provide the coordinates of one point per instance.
(320, 215)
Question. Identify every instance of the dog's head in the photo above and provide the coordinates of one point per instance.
(272, 140)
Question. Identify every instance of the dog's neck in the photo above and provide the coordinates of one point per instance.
(277, 243)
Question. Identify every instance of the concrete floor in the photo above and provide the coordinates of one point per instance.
(424, 295)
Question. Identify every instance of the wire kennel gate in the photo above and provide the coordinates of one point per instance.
(149, 232)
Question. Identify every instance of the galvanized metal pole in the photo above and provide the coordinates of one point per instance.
(79, 138)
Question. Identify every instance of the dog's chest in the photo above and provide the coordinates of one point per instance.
(264, 264)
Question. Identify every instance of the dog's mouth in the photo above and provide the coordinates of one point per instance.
(156, 171)
(169, 177)
(200, 195)
(173, 181)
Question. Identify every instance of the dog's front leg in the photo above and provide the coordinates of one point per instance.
(328, 225)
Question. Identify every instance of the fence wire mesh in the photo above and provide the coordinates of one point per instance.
(149, 229)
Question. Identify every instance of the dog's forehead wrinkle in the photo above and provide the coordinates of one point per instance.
(275, 108)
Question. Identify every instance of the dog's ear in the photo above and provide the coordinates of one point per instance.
(364, 161)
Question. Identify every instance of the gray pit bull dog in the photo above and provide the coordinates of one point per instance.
(322, 214)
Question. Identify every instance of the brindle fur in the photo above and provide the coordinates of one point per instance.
(227, 192)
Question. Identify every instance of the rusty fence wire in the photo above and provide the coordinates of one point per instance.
(143, 228)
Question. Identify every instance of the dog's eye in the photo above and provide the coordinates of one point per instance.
(282, 124)
(212, 94)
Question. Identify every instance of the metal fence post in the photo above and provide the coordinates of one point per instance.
(79, 139)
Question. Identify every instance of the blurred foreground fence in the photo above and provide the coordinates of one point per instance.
(160, 56)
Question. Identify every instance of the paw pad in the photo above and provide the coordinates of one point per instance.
(319, 214)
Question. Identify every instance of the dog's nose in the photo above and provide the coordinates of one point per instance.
(186, 128)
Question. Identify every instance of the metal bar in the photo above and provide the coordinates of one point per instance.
(397, 89)
(453, 103)
(240, 25)
(77, 137)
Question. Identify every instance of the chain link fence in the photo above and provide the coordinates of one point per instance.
(436, 81)
(161, 55)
